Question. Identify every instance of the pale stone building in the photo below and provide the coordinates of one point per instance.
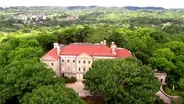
(75, 59)
(161, 76)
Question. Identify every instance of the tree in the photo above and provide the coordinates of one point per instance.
(9, 43)
(118, 38)
(162, 59)
(20, 77)
(68, 36)
(46, 40)
(52, 94)
(26, 53)
(176, 47)
(3, 61)
(99, 33)
(122, 81)
(170, 59)
(83, 33)
(29, 43)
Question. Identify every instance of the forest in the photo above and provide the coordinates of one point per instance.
(155, 36)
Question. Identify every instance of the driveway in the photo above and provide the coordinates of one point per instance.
(78, 87)
(163, 97)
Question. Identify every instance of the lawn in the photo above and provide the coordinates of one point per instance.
(170, 91)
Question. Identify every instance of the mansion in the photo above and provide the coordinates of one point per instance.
(75, 59)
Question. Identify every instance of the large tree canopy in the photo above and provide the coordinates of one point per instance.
(53, 94)
(20, 77)
(122, 81)
(170, 59)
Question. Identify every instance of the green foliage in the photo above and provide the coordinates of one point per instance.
(162, 59)
(70, 80)
(176, 47)
(156, 37)
(170, 59)
(91, 102)
(21, 73)
(159, 101)
(20, 77)
(29, 43)
(52, 94)
(174, 29)
(170, 91)
(9, 43)
(25, 53)
(122, 81)
(181, 84)
(46, 40)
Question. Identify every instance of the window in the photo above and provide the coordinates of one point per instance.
(84, 69)
(63, 60)
(79, 61)
(84, 62)
(52, 64)
(68, 60)
(89, 62)
(73, 61)
(79, 69)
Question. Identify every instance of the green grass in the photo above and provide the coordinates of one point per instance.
(170, 91)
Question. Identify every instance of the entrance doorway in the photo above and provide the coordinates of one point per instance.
(79, 77)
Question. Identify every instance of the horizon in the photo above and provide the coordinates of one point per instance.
(110, 3)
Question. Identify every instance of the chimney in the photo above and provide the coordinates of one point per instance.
(104, 42)
(101, 43)
(56, 45)
(113, 48)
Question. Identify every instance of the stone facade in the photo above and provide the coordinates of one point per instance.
(51, 62)
(75, 65)
(161, 76)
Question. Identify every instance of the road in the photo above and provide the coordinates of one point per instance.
(163, 97)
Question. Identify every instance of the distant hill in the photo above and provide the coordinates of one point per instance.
(145, 8)
(80, 7)
(126, 7)
(1, 8)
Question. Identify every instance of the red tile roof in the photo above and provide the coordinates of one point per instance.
(90, 49)
(53, 53)
(122, 53)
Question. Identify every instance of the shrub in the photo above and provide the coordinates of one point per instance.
(70, 80)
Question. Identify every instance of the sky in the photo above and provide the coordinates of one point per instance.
(117, 3)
